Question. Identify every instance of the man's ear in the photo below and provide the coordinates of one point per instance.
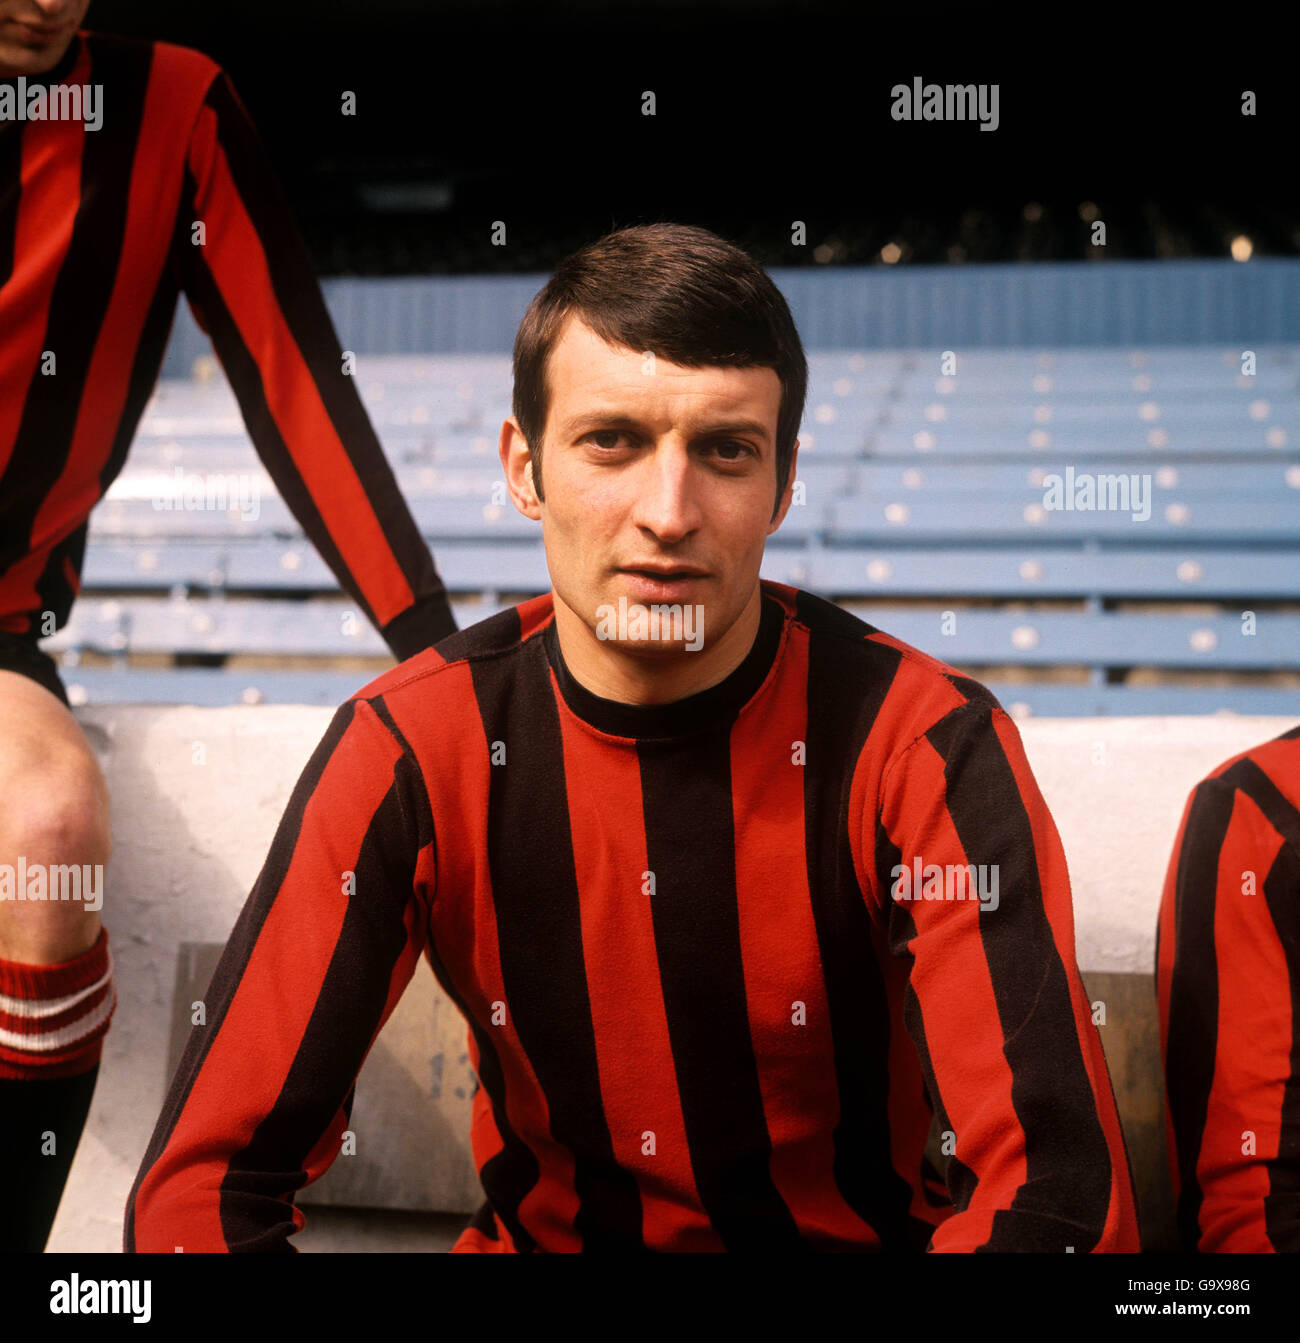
(789, 491)
(517, 463)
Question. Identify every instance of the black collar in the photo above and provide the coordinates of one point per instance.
(718, 705)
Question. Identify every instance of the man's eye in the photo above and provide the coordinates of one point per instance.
(740, 449)
(728, 450)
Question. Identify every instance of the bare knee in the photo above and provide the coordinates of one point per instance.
(54, 842)
(56, 809)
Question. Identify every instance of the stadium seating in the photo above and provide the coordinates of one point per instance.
(950, 502)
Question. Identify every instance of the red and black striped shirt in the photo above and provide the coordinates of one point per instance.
(1228, 986)
(97, 241)
(699, 1018)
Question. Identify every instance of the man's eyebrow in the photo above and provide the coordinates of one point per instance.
(704, 429)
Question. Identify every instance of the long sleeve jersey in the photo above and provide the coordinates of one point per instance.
(704, 1011)
(1228, 989)
(100, 231)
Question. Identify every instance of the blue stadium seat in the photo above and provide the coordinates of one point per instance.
(917, 494)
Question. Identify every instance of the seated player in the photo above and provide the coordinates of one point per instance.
(1228, 984)
(129, 172)
(654, 831)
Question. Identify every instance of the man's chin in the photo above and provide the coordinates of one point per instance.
(659, 631)
(23, 63)
(31, 58)
(662, 650)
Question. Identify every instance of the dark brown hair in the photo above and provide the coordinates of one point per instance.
(680, 292)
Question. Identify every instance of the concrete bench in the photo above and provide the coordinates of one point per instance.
(191, 831)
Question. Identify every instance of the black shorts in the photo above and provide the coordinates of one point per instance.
(22, 654)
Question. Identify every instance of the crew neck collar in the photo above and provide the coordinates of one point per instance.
(707, 708)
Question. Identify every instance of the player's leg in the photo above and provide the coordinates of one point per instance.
(56, 990)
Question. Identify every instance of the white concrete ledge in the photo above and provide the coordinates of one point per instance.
(197, 794)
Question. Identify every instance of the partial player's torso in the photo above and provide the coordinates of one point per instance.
(91, 214)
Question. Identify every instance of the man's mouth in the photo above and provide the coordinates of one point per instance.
(665, 585)
(39, 32)
(667, 573)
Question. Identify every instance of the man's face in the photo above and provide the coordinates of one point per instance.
(35, 34)
(646, 462)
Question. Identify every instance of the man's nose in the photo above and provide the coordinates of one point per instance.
(665, 494)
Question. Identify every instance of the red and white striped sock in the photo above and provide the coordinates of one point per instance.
(53, 1018)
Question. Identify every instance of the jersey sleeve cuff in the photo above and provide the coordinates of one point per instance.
(420, 626)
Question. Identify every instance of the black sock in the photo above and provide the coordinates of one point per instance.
(33, 1183)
